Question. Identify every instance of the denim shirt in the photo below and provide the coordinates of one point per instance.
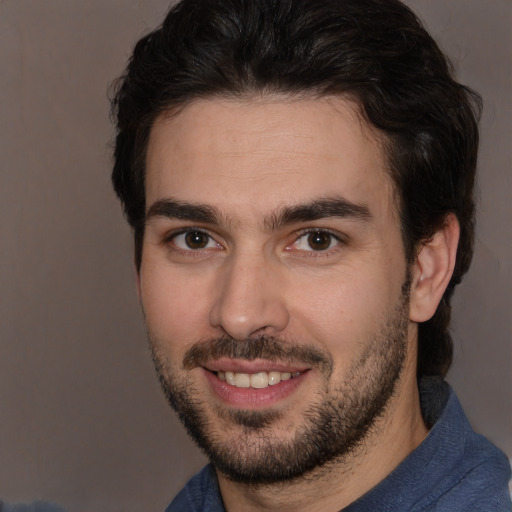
(452, 470)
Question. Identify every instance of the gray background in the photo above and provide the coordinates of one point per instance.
(82, 419)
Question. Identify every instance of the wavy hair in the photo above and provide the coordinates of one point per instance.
(375, 51)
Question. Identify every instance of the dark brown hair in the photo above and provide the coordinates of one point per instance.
(375, 51)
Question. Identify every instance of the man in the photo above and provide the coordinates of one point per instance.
(299, 178)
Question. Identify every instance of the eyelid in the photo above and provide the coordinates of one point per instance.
(171, 235)
(336, 236)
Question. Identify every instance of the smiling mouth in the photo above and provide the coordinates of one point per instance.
(258, 380)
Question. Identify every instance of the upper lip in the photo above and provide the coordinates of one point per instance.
(254, 366)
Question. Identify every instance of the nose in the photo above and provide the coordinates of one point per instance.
(250, 298)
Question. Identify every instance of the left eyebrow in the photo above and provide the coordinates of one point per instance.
(173, 209)
(316, 210)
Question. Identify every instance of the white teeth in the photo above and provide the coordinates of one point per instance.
(258, 380)
(242, 380)
(274, 378)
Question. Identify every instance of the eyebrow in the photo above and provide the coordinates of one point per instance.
(319, 209)
(316, 210)
(174, 209)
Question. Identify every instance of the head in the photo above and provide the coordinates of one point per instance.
(284, 167)
(374, 52)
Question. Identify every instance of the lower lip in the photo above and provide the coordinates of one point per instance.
(251, 398)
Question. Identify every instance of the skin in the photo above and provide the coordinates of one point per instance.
(257, 276)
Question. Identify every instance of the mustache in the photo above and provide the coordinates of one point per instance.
(266, 347)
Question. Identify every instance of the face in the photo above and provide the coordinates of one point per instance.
(273, 280)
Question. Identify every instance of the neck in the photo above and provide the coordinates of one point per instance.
(334, 486)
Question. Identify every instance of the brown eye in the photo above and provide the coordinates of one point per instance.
(316, 241)
(193, 240)
(319, 241)
(196, 240)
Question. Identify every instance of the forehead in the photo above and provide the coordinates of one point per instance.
(265, 152)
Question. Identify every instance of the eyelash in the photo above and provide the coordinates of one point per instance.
(334, 241)
(171, 237)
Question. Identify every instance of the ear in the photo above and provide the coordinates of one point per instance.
(433, 269)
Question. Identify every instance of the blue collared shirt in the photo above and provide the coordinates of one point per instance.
(452, 470)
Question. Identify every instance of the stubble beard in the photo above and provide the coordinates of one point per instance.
(243, 444)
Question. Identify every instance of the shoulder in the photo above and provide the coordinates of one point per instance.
(469, 472)
(200, 494)
(483, 485)
(452, 470)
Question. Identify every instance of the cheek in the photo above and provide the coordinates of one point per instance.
(343, 312)
(175, 307)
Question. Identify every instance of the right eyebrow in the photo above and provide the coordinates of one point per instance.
(320, 209)
(173, 209)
